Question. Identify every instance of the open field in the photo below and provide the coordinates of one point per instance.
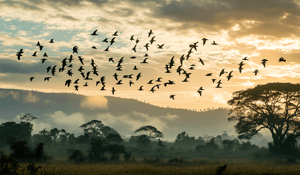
(195, 166)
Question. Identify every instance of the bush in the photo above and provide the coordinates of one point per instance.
(77, 156)
(9, 165)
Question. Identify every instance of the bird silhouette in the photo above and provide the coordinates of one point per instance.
(71, 58)
(131, 38)
(105, 40)
(134, 48)
(51, 41)
(144, 61)
(213, 80)
(200, 92)
(130, 83)
(204, 41)
(181, 59)
(138, 76)
(152, 89)
(43, 60)
(94, 47)
(255, 72)
(147, 46)
(264, 61)
(214, 43)
(149, 33)
(112, 40)
(111, 60)
(150, 82)
(160, 46)
(103, 88)
(116, 76)
(132, 57)
(70, 73)
(113, 91)
(229, 75)
(137, 41)
(68, 82)
(152, 40)
(19, 54)
(185, 80)
(34, 54)
(145, 55)
(107, 49)
(119, 82)
(94, 33)
(97, 82)
(209, 74)
(159, 79)
(85, 84)
(45, 55)
(41, 47)
(53, 70)
(141, 88)
(245, 59)
(167, 69)
(31, 78)
(75, 49)
(172, 97)
(76, 87)
(222, 72)
(38, 43)
(80, 69)
(47, 78)
(281, 59)
(135, 68)
(80, 59)
(48, 68)
(116, 33)
(76, 81)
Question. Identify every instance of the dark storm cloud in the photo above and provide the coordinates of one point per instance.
(12, 66)
(226, 14)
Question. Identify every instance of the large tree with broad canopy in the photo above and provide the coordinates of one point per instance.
(272, 106)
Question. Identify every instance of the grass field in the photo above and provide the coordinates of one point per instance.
(195, 167)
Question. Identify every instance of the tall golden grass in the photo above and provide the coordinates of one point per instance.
(193, 167)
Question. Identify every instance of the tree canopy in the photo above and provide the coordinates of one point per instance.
(150, 131)
(272, 106)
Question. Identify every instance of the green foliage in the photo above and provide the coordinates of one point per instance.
(9, 165)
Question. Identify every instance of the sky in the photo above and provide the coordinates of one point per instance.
(254, 29)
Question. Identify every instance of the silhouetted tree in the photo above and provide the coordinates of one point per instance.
(97, 150)
(273, 106)
(39, 152)
(94, 127)
(150, 131)
(229, 145)
(28, 117)
(54, 134)
(11, 132)
(114, 138)
(21, 151)
(143, 141)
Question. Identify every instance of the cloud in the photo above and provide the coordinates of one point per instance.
(94, 102)
(29, 98)
(14, 94)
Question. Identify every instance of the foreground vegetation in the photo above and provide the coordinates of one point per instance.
(162, 166)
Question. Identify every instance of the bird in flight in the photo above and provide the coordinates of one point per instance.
(93, 47)
(105, 40)
(112, 40)
(76, 87)
(145, 61)
(47, 78)
(214, 43)
(160, 46)
(113, 91)
(76, 81)
(34, 54)
(75, 49)
(141, 88)
(116, 76)
(245, 59)
(68, 82)
(131, 38)
(172, 97)
(31, 78)
(147, 46)
(255, 72)
(209, 74)
(222, 72)
(116, 33)
(281, 59)
(204, 41)
(94, 33)
(51, 41)
(134, 48)
(229, 75)
(264, 61)
(150, 33)
(107, 49)
(152, 40)
(43, 60)
(80, 59)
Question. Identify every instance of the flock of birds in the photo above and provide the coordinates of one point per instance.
(86, 76)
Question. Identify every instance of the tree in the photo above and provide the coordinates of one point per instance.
(54, 134)
(229, 145)
(94, 127)
(273, 106)
(150, 131)
(115, 151)
(28, 117)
